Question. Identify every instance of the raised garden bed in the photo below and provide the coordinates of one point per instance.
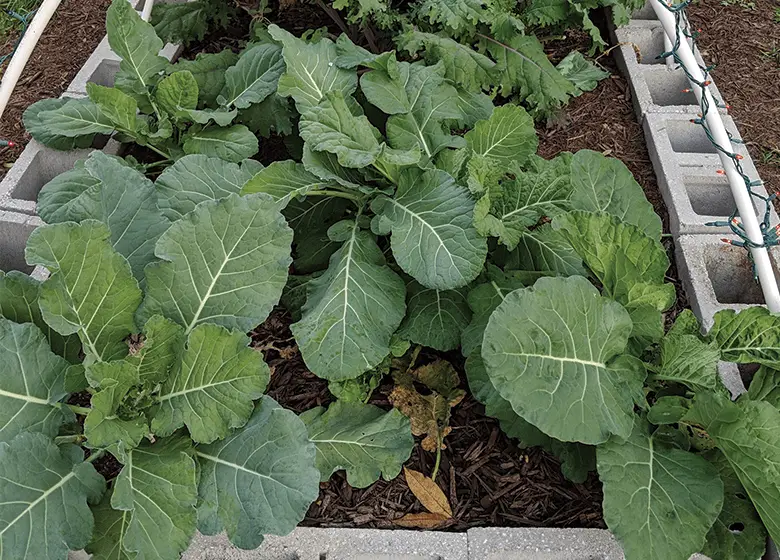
(482, 477)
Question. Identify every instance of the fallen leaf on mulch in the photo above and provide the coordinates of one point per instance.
(425, 520)
(428, 492)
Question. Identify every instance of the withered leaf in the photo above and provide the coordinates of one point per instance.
(428, 492)
(421, 520)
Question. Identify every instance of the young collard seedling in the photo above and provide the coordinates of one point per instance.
(393, 224)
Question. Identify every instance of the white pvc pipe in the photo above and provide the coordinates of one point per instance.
(147, 11)
(739, 191)
(23, 53)
(670, 63)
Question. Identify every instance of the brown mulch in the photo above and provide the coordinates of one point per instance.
(744, 42)
(488, 480)
(73, 33)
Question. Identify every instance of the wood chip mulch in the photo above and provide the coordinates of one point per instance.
(743, 38)
(73, 33)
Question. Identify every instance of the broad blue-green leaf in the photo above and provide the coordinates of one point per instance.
(738, 532)
(311, 71)
(105, 425)
(577, 460)
(259, 481)
(563, 367)
(544, 252)
(39, 129)
(331, 127)
(209, 70)
(433, 103)
(659, 501)
(108, 538)
(748, 434)
(115, 105)
(385, 87)
(273, 114)
(184, 22)
(254, 77)
(221, 117)
(177, 92)
(225, 263)
(195, 179)
(76, 118)
(326, 166)
(32, 382)
(19, 295)
(311, 218)
(91, 291)
(362, 439)
(474, 107)
(44, 490)
(212, 390)
(483, 300)
(508, 136)
(686, 359)
(158, 488)
(117, 195)
(602, 184)
(136, 43)
(668, 410)
(234, 143)
(351, 310)
(523, 68)
(433, 236)
(765, 386)
(283, 181)
(750, 336)
(581, 72)
(434, 318)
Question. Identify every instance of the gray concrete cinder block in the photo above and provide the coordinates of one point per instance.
(655, 86)
(717, 276)
(686, 166)
(15, 228)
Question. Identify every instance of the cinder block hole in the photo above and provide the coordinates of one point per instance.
(709, 196)
(14, 231)
(645, 12)
(687, 137)
(731, 275)
(45, 165)
(105, 73)
(650, 43)
(666, 86)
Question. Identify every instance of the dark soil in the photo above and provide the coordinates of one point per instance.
(488, 479)
(744, 42)
(73, 33)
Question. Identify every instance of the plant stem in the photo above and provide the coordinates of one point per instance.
(160, 152)
(95, 456)
(334, 15)
(339, 194)
(83, 411)
(76, 438)
(438, 457)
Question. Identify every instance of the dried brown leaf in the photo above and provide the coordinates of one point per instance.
(421, 520)
(428, 492)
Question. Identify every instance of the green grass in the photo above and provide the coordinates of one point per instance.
(8, 23)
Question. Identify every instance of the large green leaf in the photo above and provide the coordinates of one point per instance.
(581, 72)
(523, 67)
(108, 538)
(76, 118)
(765, 386)
(212, 389)
(748, 434)
(209, 70)
(327, 167)
(433, 102)
(196, 178)
(19, 295)
(435, 318)
(433, 235)
(225, 262)
(44, 490)
(686, 359)
(136, 43)
(602, 184)
(259, 481)
(458, 15)
(108, 190)
(234, 143)
(738, 533)
(563, 368)
(254, 77)
(158, 487)
(331, 127)
(750, 336)
(508, 136)
(311, 218)
(91, 291)
(351, 310)
(283, 181)
(542, 252)
(118, 107)
(32, 382)
(363, 439)
(177, 92)
(39, 129)
(652, 492)
(311, 71)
